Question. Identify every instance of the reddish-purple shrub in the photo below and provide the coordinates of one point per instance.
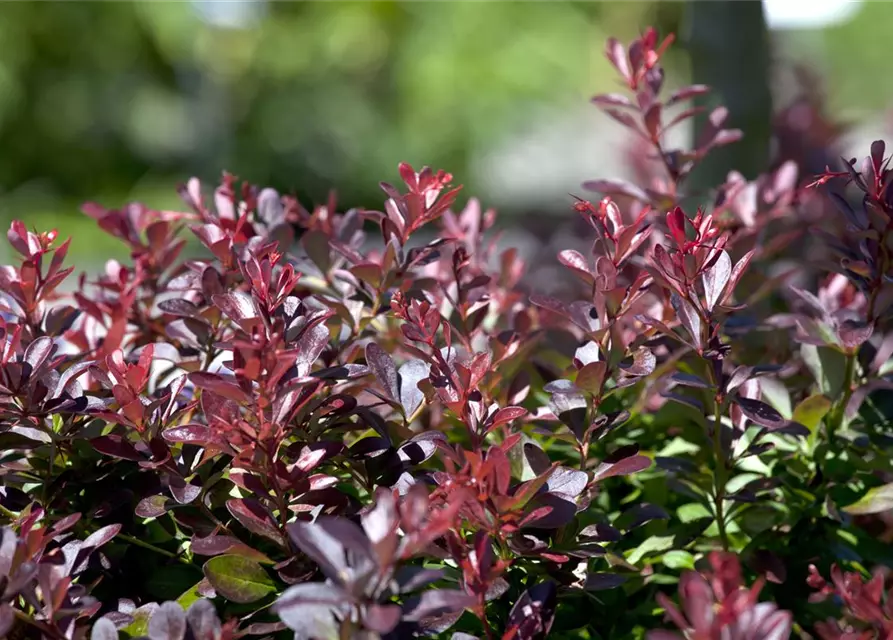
(717, 606)
(313, 431)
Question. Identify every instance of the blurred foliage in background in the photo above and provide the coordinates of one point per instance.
(120, 101)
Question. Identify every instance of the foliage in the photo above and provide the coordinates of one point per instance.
(386, 435)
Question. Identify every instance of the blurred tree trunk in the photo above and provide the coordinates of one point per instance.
(728, 43)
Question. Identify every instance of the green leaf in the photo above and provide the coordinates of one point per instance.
(810, 412)
(692, 511)
(140, 625)
(776, 394)
(877, 500)
(521, 468)
(238, 579)
(167, 582)
(828, 367)
(678, 559)
(190, 596)
(654, 544)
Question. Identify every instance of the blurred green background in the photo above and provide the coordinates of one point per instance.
(120, 101)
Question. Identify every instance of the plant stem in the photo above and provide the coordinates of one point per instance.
(44, 628)
(9, 514)
(719, 477)
(839, 413)
(152, 547)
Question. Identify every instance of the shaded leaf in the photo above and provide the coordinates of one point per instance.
(532, 615)
(603, 581)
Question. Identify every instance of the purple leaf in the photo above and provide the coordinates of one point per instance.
(410, 578)
(180, 307)
(152, 507)
(103, 629)
(215, 545)
(624, 467)
(537, 459)
(382, 520)
(382, 618)
(70, 374)
(689, 317)
(408, 377)
(575, 261)
(436, 602)
(550, 511)
(603, 581)
(237, 305)
(643, 364)
(252, 515)
(337, 545)
(715, 280)
(420, 447)
(760, 412)
(591, 377)
(569, 482)
(101, 537)
(612, 100)
(184, 492)
(38, 351)
(506, 415)
(642, 513)
(219, 385)
(309, 609)
(532, 615)
(116, 447)
(342, 372)
(552, 304)
(601, 533)
(853, 333)
(689, 380)
(197, 434)
(383, 368)
(168, 622)
(686, 93)
(309, 346)
(203, 620)
(60, 319)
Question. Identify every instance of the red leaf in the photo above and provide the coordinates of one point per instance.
(575, 260)
(506, 414)
(624, 467)
(254, 517)
(219, 385)
(117, 447)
